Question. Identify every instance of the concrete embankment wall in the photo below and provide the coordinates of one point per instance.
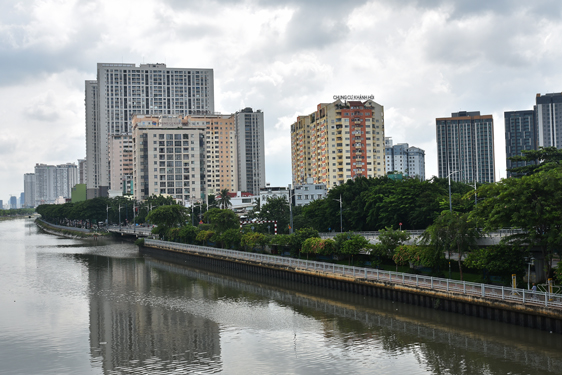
(502, 311)
(68, 233)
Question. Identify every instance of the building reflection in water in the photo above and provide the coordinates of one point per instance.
(128, 333)
(149, 314)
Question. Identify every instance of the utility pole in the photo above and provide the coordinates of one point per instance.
(291, 209)
(341, 217)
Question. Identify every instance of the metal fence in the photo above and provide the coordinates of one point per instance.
(419, 232)
(494, 292)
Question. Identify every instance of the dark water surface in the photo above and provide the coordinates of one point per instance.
(75, 307)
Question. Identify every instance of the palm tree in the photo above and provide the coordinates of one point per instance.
(224, 201)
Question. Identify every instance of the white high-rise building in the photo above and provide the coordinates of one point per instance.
(29, 190)
(53, 181)
(251, 152)
(168, 158)
(404, 159)
(124, 90)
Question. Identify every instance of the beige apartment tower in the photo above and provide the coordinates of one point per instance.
(168, 158)
(221, 153)
(338, 142)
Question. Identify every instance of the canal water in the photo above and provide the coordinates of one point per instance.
(78, 307)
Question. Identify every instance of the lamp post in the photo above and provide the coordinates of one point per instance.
(450, 202)
(530, 262)
(341, 220)
(134, 218)
(107, 216)
(119, 217)
(290, 210)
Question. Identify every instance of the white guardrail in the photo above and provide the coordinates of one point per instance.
(522, 296)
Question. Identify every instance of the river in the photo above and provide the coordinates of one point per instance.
(79, 307)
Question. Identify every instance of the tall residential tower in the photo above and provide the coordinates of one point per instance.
(465, 147)
(124, 90)
(338, 142)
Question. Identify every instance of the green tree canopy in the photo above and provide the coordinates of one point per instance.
(543, 159)
(531, 203)
(224, 200)
(168, 216)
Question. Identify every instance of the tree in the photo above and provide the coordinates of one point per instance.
(317, 245)
(501, 260)
(188, 234)
(204, 235)
(222, 220)
(452, 231)
(224, 200)
(277, 209)
(231, 238)
(168, 216)
(390, 239)
(531, 203)
(543, 159)
(353, 245)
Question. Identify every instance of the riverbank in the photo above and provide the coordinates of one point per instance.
(4, 218)
(514, 306)
(68, 232)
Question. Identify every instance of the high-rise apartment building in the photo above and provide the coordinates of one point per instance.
(221, 150)
(520, 134)
(67, 177)
(53, 181)
(404, 159)
(251, 150)
(29, 189)
(120, 160)
(465, 147)
(124, 90)
(168, 158)
(337, 142)
(548, 117)
(82, 171)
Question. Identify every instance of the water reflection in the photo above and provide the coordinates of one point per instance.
(73, 306)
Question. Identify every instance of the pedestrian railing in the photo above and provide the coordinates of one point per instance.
(494, 292)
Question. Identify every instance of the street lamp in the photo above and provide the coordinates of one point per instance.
(120, 217)
(530, 262)
(290, 209)
(341, 220)
(450, 202)
(107, 217)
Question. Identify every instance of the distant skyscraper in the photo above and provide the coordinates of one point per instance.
(22, 200)
(82, 171)
(29, 189)
(465, 144)
(13, 202)
(53, 181)
(404, 159)
(338, 142)
(124, 90)
(251, 150)
(548, 117)
(1, 204)
(520, 134)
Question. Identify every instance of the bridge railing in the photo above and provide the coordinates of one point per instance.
(418, 232)
(494, 292)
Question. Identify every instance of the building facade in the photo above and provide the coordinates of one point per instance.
(465, 147)
(29, 189)
(120, 160)
(338, 142)
(404, 159)
(124, 90)
(250, 145)
(53, 181)
(221, 150)
(548, 117)
(520, 134)
(305, 193)
(168, 158)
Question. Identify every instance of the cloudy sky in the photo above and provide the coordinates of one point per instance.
(420, 59)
